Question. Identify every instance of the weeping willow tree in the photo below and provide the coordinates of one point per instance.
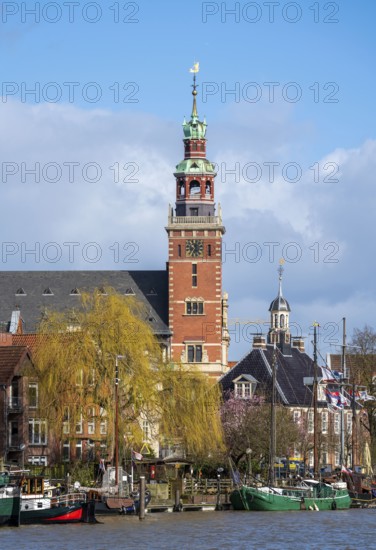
(75, 360)
(189, 412)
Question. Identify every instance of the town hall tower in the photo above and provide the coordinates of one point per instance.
(197, 309)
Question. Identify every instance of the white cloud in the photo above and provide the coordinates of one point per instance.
(310, 214)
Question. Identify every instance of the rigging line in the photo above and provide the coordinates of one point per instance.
(287, 378)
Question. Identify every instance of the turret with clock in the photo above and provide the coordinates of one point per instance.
(195, 266)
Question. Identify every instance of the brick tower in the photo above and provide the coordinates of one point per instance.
(197, 309)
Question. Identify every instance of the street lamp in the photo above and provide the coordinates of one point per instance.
(117, 380)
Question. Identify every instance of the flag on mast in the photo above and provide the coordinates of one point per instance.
(195, 68)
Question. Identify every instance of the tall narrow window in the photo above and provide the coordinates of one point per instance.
(194, 275)
(209, 249)
(79, 426)
(66, 421)
(179, 250)
(33, 395)
(91, 421)
(146, 430)
(336, 423)
(310, 422)
(349, 423)
(66, 450)
(78, 449)
(324, 422)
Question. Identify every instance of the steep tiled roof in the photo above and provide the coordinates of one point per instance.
(11, 359)
(148, 287)
(290, 373)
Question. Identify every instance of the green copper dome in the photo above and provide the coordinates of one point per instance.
(195, 166)
(194, 129)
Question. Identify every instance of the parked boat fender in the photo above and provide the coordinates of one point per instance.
(316, 507)
(334, 505)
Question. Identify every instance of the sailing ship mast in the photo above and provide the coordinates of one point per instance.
(315, 399)
(272, 422)
(344, 377)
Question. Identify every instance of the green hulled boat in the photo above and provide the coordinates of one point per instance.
(10, 502)
(310, 495)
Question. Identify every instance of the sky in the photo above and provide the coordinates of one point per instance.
(93, 96)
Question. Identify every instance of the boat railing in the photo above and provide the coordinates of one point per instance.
(69, 499)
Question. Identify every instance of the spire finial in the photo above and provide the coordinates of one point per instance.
(280, 271)
(195, 69)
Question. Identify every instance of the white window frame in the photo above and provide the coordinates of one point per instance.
(79, 425)
(324, 457)
(297, 417)
(337, 423)
(337, 456)
(324, 422)
(66, 424)
(37, 432)
(91, 421)
(310, 422)
(349, 423)
(37, 460)
(243, 390)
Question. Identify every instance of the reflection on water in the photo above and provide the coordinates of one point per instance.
(344, 530)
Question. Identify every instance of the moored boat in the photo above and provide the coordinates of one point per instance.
(40, 503)
(309, 495)
(113, 504)
(9, 502)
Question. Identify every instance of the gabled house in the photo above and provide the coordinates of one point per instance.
(252, 375)
(23, 436)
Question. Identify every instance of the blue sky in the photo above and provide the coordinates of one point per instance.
(321, 116)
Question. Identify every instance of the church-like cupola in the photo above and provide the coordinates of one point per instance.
(195, 174)
(279, 332)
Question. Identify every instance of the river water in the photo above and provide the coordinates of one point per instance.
(340, 530)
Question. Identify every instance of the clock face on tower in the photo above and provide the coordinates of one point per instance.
(194, 248)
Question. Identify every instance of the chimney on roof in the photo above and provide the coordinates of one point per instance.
(298, 343)
(259, 342)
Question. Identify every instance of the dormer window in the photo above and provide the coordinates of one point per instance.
(75, 292)
(20, 292)
(245, 386)
(47, 292)
(129, 292)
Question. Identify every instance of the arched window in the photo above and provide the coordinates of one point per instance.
(208, 188)
(181, 188)
(194, 188)
(275, 320)
(282, 321)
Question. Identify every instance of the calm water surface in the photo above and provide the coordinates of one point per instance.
(340, 530)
